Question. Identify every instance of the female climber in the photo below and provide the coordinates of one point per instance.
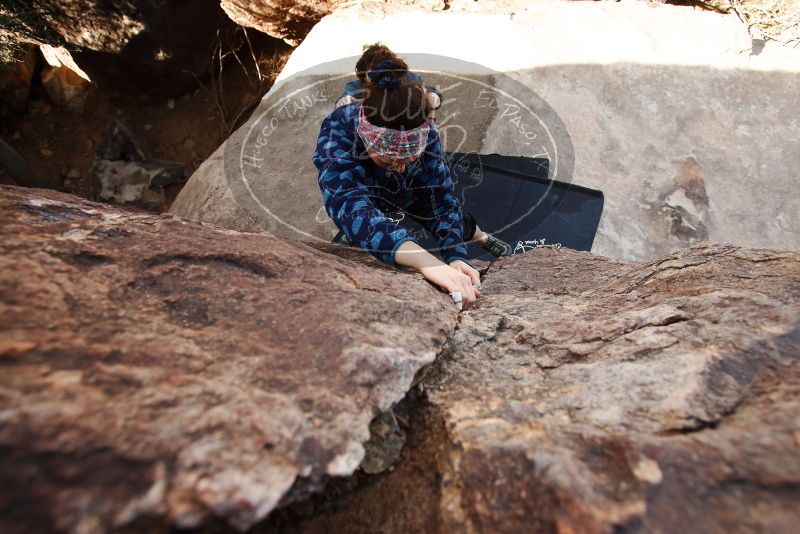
(382, 154)
(356, 90)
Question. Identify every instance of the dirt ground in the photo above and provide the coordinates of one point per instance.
(61, 144)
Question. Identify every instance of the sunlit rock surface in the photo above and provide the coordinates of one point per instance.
(585, 394)
(156, 372)
(288, 19)
(590, 395)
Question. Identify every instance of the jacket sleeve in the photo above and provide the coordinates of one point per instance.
(348, 200)
(443, 218)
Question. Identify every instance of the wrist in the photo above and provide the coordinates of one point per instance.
(462, 260)
(410, 254)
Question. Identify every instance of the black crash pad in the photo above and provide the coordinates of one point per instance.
(511, 197)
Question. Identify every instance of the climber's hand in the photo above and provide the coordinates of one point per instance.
(465, 268)
(451, 280)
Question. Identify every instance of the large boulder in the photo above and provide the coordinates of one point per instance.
(287, 20)
(687, 129)
(601, 396)
(293, 20)
(160, 372)
(585, 394)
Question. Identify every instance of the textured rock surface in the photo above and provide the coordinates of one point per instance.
(156, 371)
(292, 20)
(589, 395)
(689, 134)
(289, 20)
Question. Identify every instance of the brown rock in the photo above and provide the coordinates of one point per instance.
(598, 395)
(287, 20)
(587, 395)
(161, 372)
(292, 20)
(64, 82)
(582, 394)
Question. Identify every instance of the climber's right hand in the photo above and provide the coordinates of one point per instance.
(452, 280)
(410, 254)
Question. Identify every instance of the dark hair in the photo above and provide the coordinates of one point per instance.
(373, 54)
(392, 101)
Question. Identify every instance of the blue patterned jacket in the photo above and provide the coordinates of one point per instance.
(363, 199)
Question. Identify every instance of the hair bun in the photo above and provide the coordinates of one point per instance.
(386, 74)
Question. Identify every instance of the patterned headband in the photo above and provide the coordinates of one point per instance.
(391, 143)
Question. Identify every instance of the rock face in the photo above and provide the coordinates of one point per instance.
(158, 372)
(292, 20)
(589, 395)
(286, 19)
(63, 81)
(689, 134)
